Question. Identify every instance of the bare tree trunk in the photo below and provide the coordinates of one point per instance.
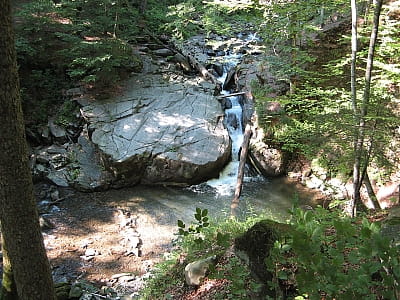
(359, 146)
(371, 193)
(242, 164)
(18, 211)
(357, 154)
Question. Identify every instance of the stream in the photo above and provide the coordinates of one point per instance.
(129, 229)
(270, 197)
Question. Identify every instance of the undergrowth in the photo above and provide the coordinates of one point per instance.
(324, 255)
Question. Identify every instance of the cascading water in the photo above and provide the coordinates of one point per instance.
(272, 197)
(225, 184)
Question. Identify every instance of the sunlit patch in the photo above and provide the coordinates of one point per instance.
(175, 120)
(92, 38)
(151, 130)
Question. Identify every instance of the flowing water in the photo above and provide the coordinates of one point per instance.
(159, 207)
(272, 197)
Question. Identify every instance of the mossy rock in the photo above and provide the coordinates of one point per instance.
(257, 242)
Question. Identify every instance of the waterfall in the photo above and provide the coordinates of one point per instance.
(225, 184)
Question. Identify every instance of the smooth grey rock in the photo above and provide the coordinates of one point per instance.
(271, 162)
(161, 132)
(58, 177)
(163, 52)
(196, 271)
(57, 131)
(183, 62)
(89, 174)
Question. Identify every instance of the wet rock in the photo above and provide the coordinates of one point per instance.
(218, 68)
(226, 103)
(163, 52)
(229, 81)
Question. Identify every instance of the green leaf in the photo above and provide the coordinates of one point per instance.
(353, 257)
(197, 217)
(204, 212)
(181, 224)
(198, 211)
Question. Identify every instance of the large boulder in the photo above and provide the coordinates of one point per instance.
(269, 160)
(160, 130)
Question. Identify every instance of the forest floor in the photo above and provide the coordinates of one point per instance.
(91, 235)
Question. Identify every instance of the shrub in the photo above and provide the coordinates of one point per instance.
(336, 257)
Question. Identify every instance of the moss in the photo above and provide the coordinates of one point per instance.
(8, 289)
(257, 243)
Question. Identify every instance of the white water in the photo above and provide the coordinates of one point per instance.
(226, 182)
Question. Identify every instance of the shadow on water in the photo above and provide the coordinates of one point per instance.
(271, 197)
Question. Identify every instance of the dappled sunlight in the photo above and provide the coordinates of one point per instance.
(175, 120)
(233, 4)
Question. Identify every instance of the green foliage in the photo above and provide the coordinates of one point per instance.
(195, 229)
(318, 120)
(217, 237)
(67, 114)
(184, 20)
(72, 43)
(187, 18)
(337, 257)
(98, 62)
(289, 28)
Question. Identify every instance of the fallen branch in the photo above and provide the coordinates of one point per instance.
(242, 163)
(231, 95)
(54, 202)
(192, 60)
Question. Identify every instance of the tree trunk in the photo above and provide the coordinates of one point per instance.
(357, 155)
(18, 212)
(242, 164)
(360, 132)
(371, 193)
(8, 289)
